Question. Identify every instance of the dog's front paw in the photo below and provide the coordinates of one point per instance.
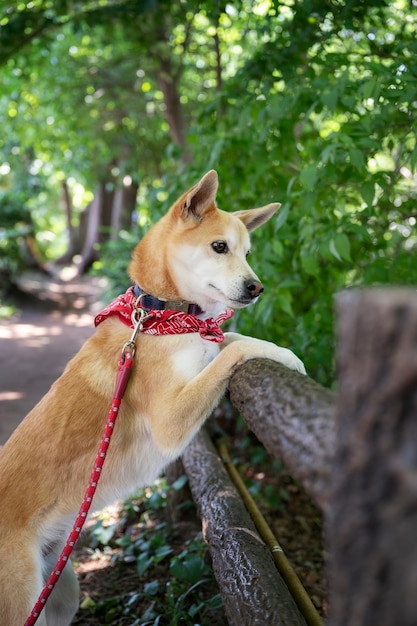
(260, 349)
(289, 359)
(251, 348)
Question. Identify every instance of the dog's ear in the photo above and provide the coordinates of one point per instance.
(252, 218)
(200, 199)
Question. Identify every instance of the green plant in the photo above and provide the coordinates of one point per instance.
(175, 582)
(115, 257)
(15, 227)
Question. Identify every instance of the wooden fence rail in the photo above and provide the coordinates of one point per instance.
(293, 416)
(358, 461)
(253, 591)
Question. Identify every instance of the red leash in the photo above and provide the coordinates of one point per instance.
(123, 373)
(154, 322)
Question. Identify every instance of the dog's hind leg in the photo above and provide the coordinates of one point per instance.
(20, 577)
(21, 582)
(64, 600)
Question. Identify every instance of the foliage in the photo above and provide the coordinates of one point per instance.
(114, 262)
(309, 103)
(326, 125)
(183, 598)
(17, 226)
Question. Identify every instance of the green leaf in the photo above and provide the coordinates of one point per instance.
(191, 568)
(330, 98)
(215, 602)
(333, 250)
(277, 248)
(289, 283)
(283, 301)
(143, 563)
(282, 216)
(215, 152)
(195, 608)
(103, 534)
(162, 552)
(124, 541)
(151, 589)
(180, 482)
(309, 263)
(413, 159)
(156, 501)
(367, 89)
(357, 159)
(308, 177)
(87, 604)
(368, 192)
(342, 245)
(328, 154)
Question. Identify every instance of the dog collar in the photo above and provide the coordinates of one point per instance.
(163, 321)
(149, 302)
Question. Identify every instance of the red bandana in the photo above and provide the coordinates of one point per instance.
(165, 322)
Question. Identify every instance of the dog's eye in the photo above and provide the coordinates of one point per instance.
(248, 253)
(220, 247)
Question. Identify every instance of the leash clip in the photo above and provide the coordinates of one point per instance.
(138, 317)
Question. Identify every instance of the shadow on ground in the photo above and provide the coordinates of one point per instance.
(53, 319)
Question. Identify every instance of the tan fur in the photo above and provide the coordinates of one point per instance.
(175, 384)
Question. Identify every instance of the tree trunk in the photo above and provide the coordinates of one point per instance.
(373, 519)
(124, 204)
(253, 591)
(73, 246)
(292, 416)
(168, 79)
(107, 201)
(92, 223)
(109, 212)
(167, 82)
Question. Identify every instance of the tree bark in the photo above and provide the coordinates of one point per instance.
(253, 591)
(124, 203)
(107, 202)
(109, 212)
(72, 247)
(292, 416)
(167, 82)
(373, 519)
(91, 224)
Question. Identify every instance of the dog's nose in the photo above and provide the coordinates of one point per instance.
(253, 287)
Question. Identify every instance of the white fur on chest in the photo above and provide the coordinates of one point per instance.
(192, 356)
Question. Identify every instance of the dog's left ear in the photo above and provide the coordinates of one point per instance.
(253, 218)
(201, 198)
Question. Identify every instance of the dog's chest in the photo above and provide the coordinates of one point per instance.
(192, 356)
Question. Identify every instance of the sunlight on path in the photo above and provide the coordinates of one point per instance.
(36, 344)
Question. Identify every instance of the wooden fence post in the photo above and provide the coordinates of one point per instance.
(372, 521)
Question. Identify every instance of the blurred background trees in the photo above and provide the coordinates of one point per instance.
(110, 109)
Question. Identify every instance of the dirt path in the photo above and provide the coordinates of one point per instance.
(54, 319)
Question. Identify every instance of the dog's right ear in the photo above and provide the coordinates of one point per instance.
(200, 199)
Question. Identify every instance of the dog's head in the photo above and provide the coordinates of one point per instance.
(201, 252)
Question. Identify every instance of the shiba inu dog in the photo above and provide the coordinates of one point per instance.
(194, 258)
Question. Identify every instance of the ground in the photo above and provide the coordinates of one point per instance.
(131, 564)
(52, 321)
